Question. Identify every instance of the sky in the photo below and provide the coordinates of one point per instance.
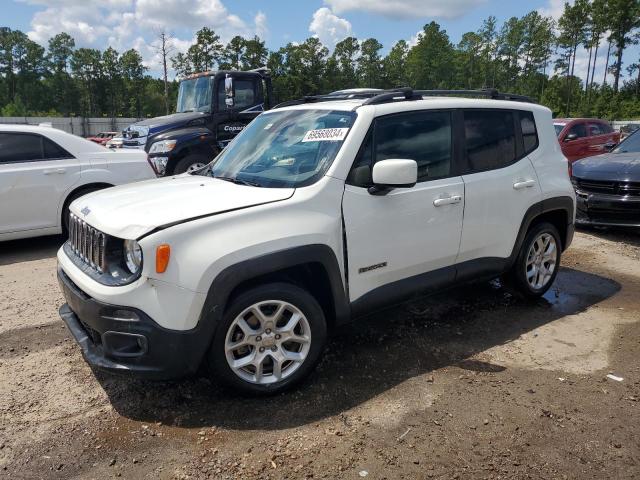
(125, 24)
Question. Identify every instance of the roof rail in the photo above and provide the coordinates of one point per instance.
(373, 97)
(328, 98)
(409, 94)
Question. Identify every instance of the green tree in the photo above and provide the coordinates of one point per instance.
(394, 66)
(624, 18)
(345, 56)
(255, 54)
(133, 72)
(369, 63)
(429, 61)
(573, 33)
(231, 57)
(202, 56)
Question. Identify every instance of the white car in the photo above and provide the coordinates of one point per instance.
(42, 170)
(316, 213)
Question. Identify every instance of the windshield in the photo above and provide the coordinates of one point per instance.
(284, 149)
(631, 144)
(195, 95)
(559, 127)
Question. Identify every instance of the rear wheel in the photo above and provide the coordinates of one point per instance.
(191, 163)
(538, 261)
(270, 338)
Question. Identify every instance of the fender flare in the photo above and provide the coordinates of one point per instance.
(564, 203)
(231, 277)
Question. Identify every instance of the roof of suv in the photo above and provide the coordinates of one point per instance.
(427, 102)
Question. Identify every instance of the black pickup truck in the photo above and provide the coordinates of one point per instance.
(212, 108)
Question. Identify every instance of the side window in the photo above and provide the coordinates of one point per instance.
(580, 130)
(595, 129)
(20, 147)
(53, 151)
(245, 90)
(421, 136)
(529, 132)
(490, 139)
(606, 128)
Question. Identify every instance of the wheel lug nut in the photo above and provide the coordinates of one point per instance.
(268, 331)
(274, 348)
(258, 338)
(261, 349)
(278, 337)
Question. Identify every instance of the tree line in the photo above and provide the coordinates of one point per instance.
(532, 55)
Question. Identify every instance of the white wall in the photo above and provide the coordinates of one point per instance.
(82, 126)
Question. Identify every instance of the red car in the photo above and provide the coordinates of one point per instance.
(585, 137)
(103, 137)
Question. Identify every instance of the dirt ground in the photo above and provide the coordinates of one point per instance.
(472, 383)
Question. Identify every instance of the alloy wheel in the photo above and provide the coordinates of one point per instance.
(267, 342)
(541, 261)
(194, 167)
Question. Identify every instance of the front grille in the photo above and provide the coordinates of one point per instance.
(609, 188)
(87, 242)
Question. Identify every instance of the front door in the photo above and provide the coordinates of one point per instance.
(576, 147)
(35, 174)
(248, 104)
(408, 239)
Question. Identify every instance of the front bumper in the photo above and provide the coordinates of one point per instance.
(607, 210)
(125, 340)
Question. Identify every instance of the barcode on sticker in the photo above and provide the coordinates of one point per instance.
(326, 135)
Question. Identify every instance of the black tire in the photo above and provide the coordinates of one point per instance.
(303, 301)
(517, 276)
(183, 165)
(69, 201)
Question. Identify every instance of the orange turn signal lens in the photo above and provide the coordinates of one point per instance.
(163, 253)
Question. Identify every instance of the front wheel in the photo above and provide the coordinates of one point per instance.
(538, 261)
(191, 164)
(270, 338)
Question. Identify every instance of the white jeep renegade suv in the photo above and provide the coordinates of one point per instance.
(320, 211)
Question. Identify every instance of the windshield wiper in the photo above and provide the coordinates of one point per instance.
(237, 181)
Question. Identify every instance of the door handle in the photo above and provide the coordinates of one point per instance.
(53, 171)
(523, 185)
(439, 202)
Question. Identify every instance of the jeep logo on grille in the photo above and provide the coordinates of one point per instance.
(85, 211)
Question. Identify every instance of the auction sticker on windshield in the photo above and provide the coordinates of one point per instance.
(326, 135)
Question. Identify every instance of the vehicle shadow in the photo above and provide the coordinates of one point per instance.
(29, 249)
(368, 357)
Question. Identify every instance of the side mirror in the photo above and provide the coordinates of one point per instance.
(228, 91)
(570, 137)
(393, 173)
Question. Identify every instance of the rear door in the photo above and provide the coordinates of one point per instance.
(602, 138)
(393, 239)
(500, 185)
(35, 174)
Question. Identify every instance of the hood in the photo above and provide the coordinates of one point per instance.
(132, 210)
(609, 167)
(167, 122)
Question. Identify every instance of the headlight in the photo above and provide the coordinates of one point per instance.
(159, 164)
(163, 147)
(133, 256)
